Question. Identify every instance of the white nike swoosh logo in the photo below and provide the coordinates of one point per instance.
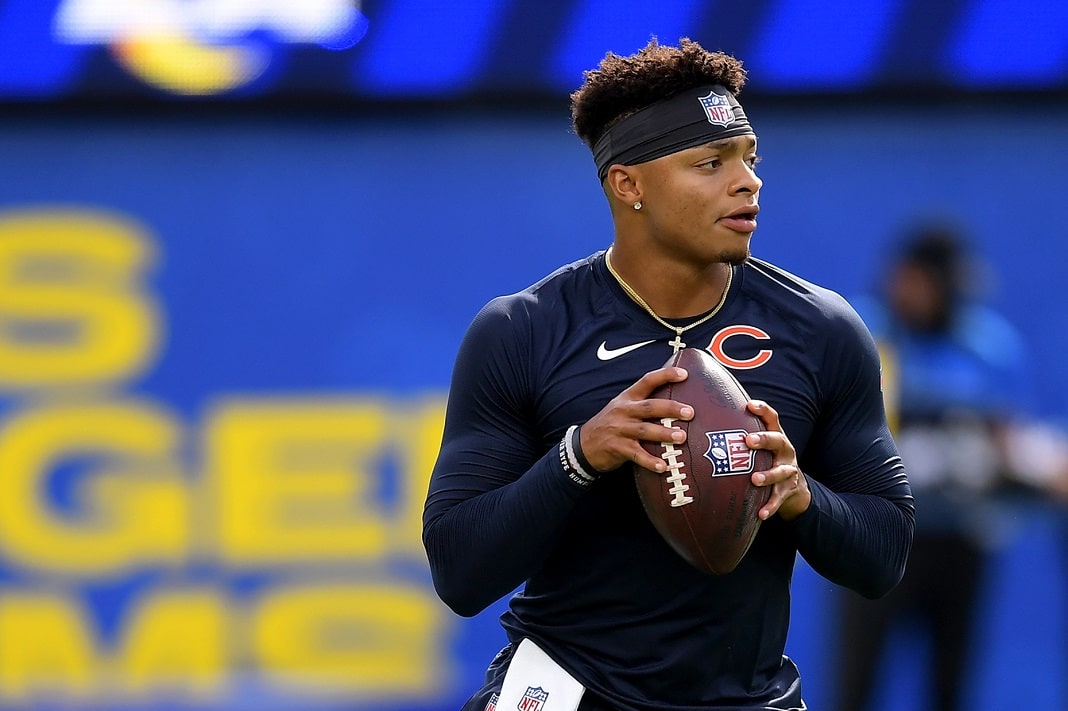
(605, 353)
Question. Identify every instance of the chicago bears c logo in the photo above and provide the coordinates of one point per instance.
(721, 337)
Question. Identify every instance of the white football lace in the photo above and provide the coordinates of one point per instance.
(677, 479)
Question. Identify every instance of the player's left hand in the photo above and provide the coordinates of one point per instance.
(790, 496)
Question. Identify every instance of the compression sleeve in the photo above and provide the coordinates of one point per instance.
(858, 530)
(497, 500)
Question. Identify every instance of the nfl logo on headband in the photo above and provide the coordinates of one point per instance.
(718, 109)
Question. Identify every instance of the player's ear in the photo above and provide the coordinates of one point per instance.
(621, 184)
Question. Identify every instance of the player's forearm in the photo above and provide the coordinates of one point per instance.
(483, 547)
(860, 541)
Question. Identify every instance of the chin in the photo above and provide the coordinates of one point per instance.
(735, 257)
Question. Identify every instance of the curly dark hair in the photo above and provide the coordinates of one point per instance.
(619, 86)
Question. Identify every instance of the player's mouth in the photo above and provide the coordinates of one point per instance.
(741, 220)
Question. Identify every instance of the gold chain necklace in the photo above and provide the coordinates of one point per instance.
(676, 343)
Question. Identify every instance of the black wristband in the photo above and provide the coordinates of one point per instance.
(569, 462)
(576, 447)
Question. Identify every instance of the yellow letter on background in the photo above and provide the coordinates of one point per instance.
(133, 505)
(72, 310)
(295, 481)
(175, 640)
(416, 435)
(45, 647)
(370, 639)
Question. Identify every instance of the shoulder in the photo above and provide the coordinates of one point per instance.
(532, 307)
(823, 328)
(983, 322)
(807, 304)
(875, 314)
(991, 335)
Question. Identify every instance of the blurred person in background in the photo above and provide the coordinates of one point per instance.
(955, 380)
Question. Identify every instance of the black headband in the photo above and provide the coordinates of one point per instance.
(691, 118)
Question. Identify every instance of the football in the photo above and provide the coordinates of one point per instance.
(705, 505)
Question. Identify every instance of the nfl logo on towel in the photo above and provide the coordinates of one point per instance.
(729, 453)
(533, 699)
(717, 108)
(491, 705)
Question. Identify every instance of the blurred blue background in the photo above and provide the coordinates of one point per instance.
(237, 258)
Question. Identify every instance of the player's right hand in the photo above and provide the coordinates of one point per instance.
(613, 436)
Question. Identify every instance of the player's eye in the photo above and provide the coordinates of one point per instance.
(714, 163)
(753, 160)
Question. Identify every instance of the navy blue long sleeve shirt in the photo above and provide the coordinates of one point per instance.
(604, 595)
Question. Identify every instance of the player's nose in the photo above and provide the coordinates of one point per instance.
(747, 181)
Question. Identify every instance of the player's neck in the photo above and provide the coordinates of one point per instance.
(671, 288)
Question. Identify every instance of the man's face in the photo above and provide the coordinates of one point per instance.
(918, 297)
(702, 202)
